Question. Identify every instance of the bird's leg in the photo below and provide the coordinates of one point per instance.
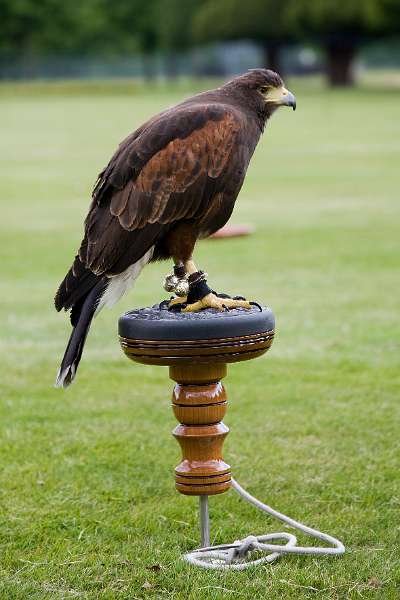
(177, 281)
(200, 296)
(189, 268)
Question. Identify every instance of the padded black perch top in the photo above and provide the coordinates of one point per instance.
(158, 323)
(158, 336)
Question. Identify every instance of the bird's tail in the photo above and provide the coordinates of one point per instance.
(81, 317)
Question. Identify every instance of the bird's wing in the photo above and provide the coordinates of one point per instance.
(157, 177)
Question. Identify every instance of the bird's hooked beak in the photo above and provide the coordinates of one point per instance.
(281, 97)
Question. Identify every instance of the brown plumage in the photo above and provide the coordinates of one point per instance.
(172, 181)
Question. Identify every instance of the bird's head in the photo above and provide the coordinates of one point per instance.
(265, 89)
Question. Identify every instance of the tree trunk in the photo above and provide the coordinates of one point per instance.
(339, 64)
(272, 55)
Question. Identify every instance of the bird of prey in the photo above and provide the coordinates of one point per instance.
(171, 182)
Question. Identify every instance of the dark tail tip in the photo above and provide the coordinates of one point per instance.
(82, 320)
(69, 365)
(65, 377)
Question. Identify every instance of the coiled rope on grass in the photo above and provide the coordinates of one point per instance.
(238, 554)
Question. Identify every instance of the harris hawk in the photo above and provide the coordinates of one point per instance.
(171, 182)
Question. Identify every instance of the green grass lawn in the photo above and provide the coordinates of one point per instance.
(88, 505)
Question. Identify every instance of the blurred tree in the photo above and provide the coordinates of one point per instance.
(132, 26)
(100, 27)
(173, 20)
(35, 27)
(264, 21)
(343, 28)
(30, 28)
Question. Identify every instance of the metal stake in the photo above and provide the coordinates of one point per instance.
(204, 522)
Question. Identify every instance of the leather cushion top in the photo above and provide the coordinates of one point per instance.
(155, 323)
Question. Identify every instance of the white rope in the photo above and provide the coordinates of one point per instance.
(233, 556)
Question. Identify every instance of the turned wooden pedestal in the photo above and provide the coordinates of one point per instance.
(199, 403)
(197, 347)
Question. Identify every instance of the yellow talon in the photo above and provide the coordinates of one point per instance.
(213, 301)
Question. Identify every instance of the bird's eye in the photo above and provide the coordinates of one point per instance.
(264, 89)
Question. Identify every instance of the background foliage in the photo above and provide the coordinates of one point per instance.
(99, 27)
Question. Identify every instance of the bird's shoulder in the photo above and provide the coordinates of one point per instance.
(197, 119)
